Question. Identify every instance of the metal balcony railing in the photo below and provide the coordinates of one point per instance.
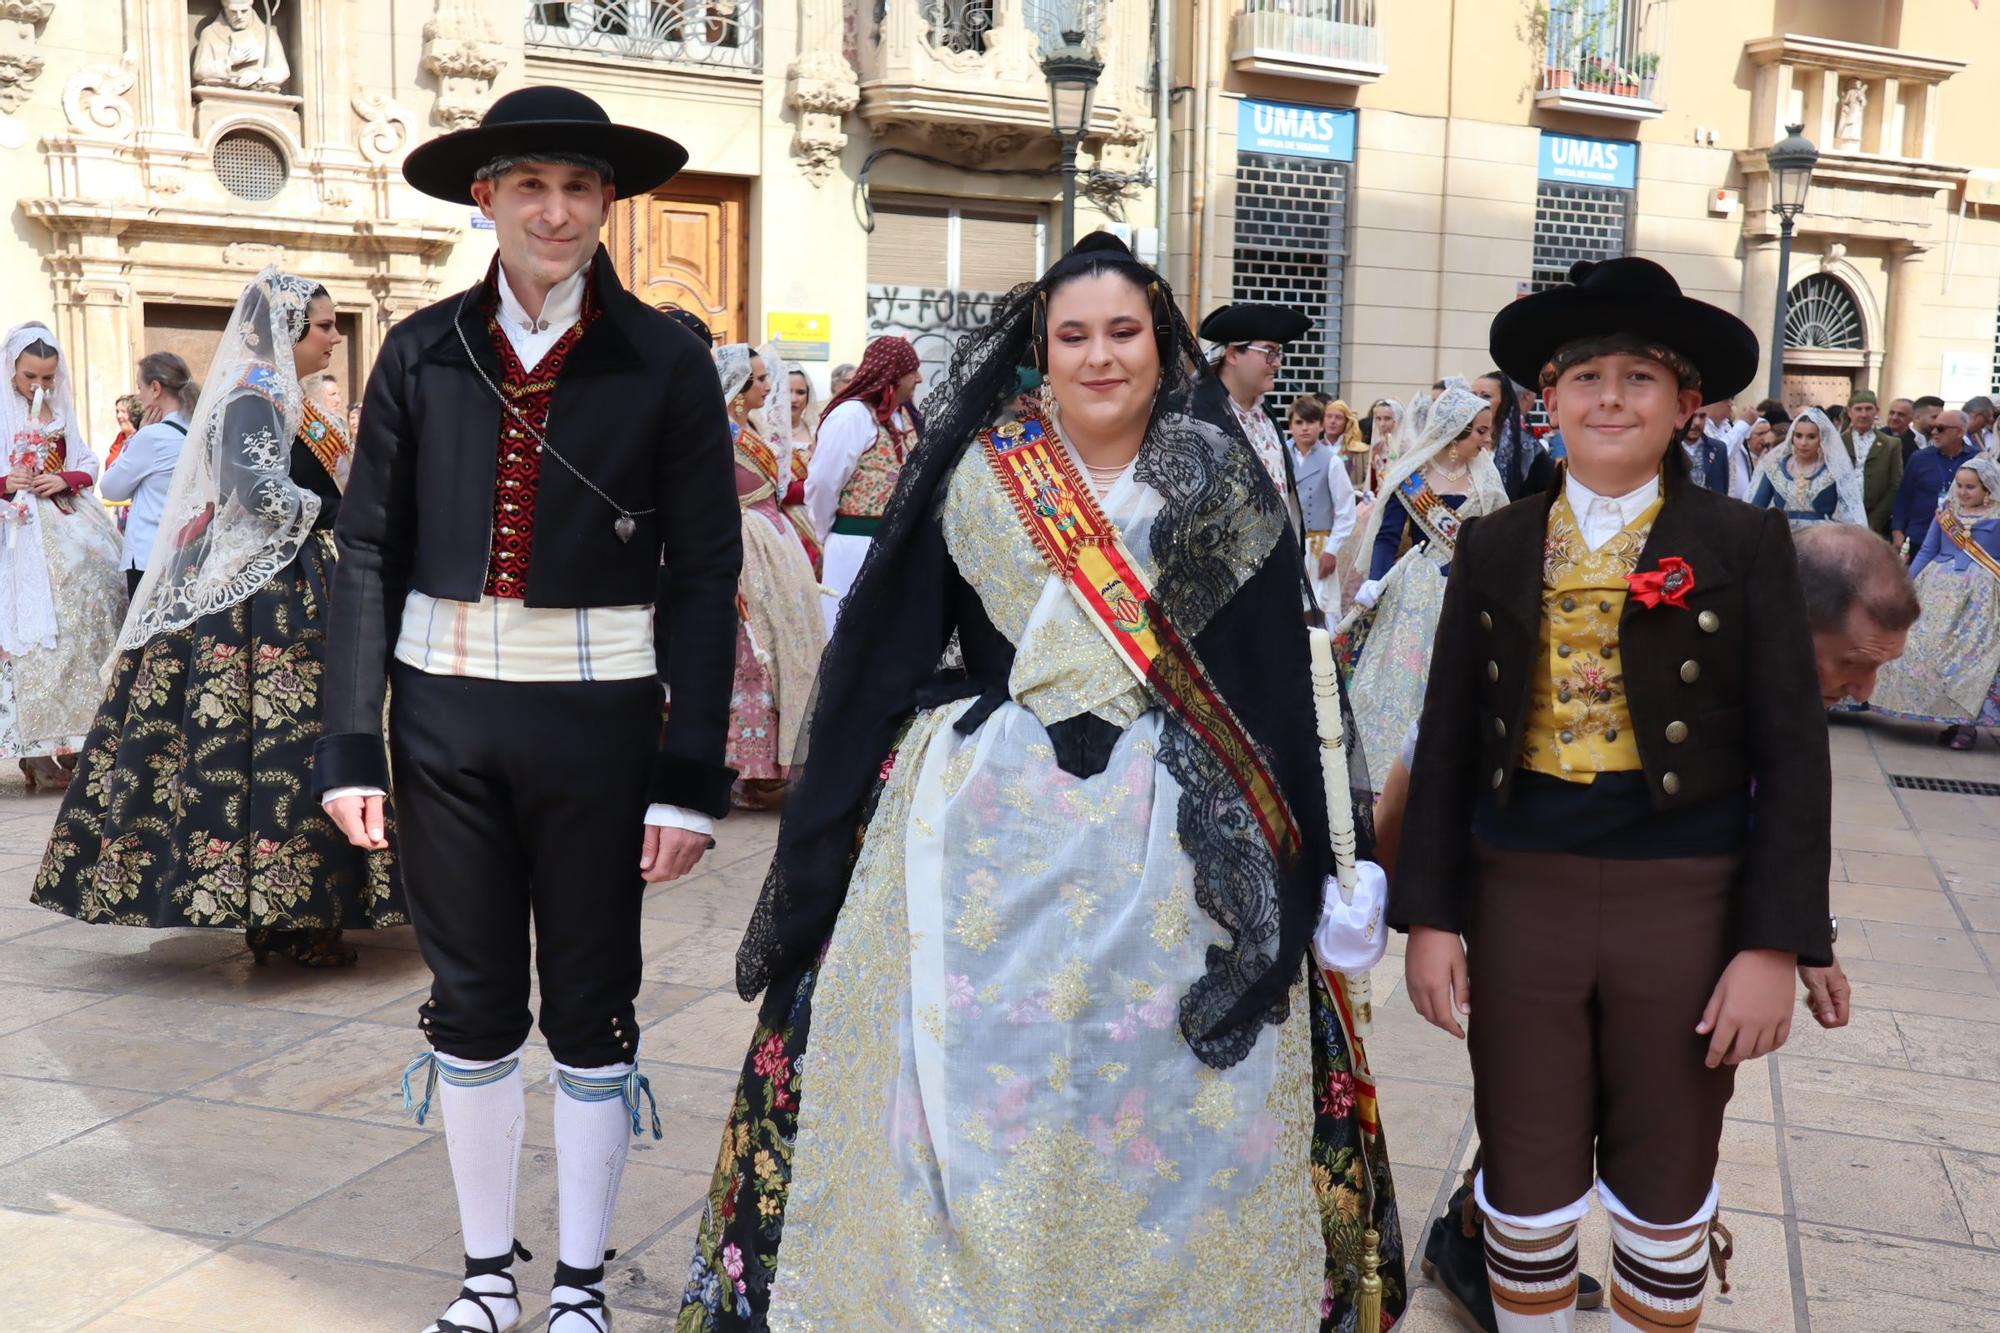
(1610, 48)
(967, 25)
(1333, 32)
(722, 33)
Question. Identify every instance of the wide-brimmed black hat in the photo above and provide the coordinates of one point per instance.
(1252, 322)
(1633, 298)
(543, 119)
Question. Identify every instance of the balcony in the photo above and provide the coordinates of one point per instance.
(713, 33)
(1329, 41)
(966, 75)
(1602, 58)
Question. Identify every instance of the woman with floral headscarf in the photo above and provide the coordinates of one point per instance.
(1808, 478)
(865, 434)
(61, 592)
(1950, 672)
(780, 633)
(192, 804)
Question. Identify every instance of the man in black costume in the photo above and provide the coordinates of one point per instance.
(542, 490)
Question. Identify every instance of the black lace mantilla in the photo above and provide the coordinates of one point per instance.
(1221, 519)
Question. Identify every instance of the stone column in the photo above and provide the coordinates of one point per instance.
(1907, 270)
(822, 89)
(1760, 292)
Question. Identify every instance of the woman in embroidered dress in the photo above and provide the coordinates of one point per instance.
(780, 632)
(792, 443)
(61, 591)
(1950, 672)
(805, 410)
(1443, 475)
(1050, 1052)
(192, 804)
(1808, 481)
(865, 434)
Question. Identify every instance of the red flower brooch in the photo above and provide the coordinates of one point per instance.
(1670, 584)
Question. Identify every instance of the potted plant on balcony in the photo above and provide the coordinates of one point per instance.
(1594, 74)
(1646, 66)
(1625, 83)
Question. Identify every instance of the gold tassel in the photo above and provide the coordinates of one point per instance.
(1368, 1305)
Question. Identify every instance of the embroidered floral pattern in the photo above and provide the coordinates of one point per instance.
(191, 803)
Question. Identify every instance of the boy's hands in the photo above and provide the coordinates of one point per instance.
(1440, 985)
(1750, 1013)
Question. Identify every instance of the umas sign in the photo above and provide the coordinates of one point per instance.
(1575, 160)
(1326, 133)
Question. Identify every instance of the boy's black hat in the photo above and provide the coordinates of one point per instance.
(543, 119)
(1633, 298)
(1251, 321)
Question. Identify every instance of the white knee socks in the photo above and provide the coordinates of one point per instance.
(597, 1113)
(1531, 1266)
(485, 1116)
(1658, 1285)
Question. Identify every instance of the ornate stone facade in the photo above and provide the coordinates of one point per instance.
(20, 48)
(460, 53)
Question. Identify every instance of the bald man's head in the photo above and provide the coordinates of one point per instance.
(1860, 605)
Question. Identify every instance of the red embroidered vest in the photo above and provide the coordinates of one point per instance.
(519, 459)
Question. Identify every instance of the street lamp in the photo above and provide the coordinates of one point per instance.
(1791, 162)
(1072, 71)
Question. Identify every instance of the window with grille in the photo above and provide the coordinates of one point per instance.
(249, 165)
(1820, 312)
(1291, 250)
(1575, 222)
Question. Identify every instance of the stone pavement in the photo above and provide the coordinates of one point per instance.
(191, 1142)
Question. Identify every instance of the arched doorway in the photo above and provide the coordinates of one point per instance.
(1826, 342)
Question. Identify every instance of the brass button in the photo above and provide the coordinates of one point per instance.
(1562, 695)
(624, 1045)
(1499, 776)
(1709, 621)
(1485, 620)
(1677, 732)
(1492, 671)
(1690, 671)
(1611, 734)
(1569, 738)
(1563, 650)
(1670, 783)
(1569, 603)
(1500, 728)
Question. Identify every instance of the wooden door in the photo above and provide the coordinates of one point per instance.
(688, 245)
(1817, 388)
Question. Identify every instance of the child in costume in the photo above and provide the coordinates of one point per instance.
(1621, 712)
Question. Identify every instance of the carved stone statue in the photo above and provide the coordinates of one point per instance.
(238, 49)
(1853, 106)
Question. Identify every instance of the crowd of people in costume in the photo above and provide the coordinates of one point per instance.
(1097, 693)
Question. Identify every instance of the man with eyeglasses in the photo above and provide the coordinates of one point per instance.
(1252, 338)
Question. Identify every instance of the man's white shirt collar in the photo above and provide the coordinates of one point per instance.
(530, 337)
(1600, 517)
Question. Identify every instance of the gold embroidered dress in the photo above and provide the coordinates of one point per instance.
(999, 1122)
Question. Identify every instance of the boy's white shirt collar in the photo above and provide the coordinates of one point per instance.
(1599, 517)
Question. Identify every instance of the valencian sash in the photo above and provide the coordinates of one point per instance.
(327, 439)
(1438, 521)
(1954, 528)
(1068, 527)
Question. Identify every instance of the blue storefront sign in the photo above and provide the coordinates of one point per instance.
(1325, 133)
(1573, 159)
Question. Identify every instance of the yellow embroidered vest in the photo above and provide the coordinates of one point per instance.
(867, 491)
(1578, 722)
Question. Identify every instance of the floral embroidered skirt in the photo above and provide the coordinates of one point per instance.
(752, 748)
(979, 1111)
(192, 802)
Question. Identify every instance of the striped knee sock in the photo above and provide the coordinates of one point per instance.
(1532, 1271)
(1657, 1286)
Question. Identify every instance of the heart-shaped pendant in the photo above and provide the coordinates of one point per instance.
(624, 527)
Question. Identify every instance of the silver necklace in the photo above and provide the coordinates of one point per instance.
(626, 523)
